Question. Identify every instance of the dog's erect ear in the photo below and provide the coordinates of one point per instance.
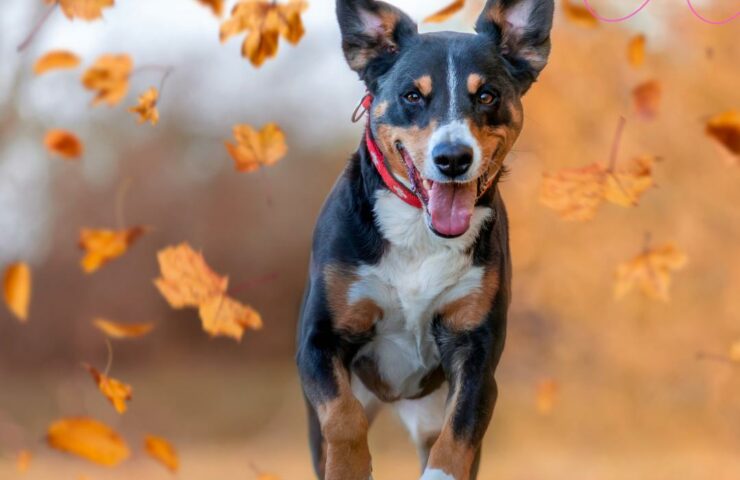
(522, 30)
(373, 33)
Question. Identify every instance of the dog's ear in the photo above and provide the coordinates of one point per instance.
(521, 28)
(373, 34)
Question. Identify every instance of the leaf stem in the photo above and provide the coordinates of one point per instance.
(616, 143)
(36, 28)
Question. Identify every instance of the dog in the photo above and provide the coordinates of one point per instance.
(409, 282)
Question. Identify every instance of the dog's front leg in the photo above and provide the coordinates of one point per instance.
(469, 358)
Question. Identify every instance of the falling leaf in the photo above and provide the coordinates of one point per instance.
(265, 21)
(23, 461)
(109, 78)
(17, 289)
(579, 15)
(56, 60)
(89, 439)
(636, 51)
(547, 391)
(64, 144)
(216, 5)
(577, 193)
(650, 272)
(724, 129)
(255, 149)
(117, 392)
(83, 9)
(647, 97)
(268, 476)
(102, 246)
(122, 331)
(187, 281)
(162, 450)
(446, 12)
(147, 107)
(735, 351)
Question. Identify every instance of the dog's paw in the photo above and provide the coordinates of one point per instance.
(435, 474)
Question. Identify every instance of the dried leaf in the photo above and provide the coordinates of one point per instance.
(445, 13)
(56, 60)
(579, 15)
(547, 391)
(17, 289)
(89, 439)
(255, 149)
(147, 107)
(650, 272)
(83, 9)
(117, 392)
(265, 21)
(647, 97)
(23, 461)
(122, 331)
(735, 351)
(636, 51)
(625, 187)
(216, 5)
(163, 451)
(109, 78)
(187, 281)
(724, 129)
(64, 144)
(102, 246)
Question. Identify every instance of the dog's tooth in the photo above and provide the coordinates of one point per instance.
(427, 184)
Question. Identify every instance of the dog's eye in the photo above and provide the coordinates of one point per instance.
(412, 97)
(485, 97)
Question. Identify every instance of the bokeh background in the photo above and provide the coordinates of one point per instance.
(641, 389)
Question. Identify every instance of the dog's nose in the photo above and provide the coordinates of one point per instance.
(452, 159)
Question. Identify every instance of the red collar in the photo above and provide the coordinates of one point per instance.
(398, 188)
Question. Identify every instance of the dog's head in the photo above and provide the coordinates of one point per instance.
(447, 107)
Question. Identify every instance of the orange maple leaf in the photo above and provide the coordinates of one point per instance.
(89, 439)
(187, 281)
(216, 5)
(64, 144)
(55, 60)
(109, 77)
(17, 289)
(122, 331)
(636, 50)
(724, 129)
(163, 451)
(579, 15)
(83, 9)
(147, 107)
(265, 21)
(446, 12)
(117, 392)
(254, 149)
(102, 246)
(647, 97)
(650, 272)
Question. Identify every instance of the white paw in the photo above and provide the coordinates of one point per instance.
(435, 474)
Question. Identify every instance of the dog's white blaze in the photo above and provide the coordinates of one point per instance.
(452, 84)
(418, 274)
(435, 474)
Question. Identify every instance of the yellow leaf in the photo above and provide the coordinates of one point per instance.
(162, 450)
(224, 316)
(17, 289)
(216, 5)
(89, 439)
(254, 149)
(56, 60)
(647, 98)
(264, 21)
(625, 187)
(735, 351)
(109, 78)
(650, 272)
(102, 246)
(579, 14)
(117, 392)
(84, 9)
(446, 12)
(547, 391)
(147, 107)
(724, 129)
(64, 144)
(23, 461)
(122, 331)
(636, 51)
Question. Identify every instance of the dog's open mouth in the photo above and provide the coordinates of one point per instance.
(449, 205)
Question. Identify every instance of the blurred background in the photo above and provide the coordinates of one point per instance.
(591, 387)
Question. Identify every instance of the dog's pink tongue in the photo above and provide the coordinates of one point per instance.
(451, 207)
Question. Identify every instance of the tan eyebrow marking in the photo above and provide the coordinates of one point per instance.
(424, 84)
(475, 81)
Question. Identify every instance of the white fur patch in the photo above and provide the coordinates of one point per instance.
(423, 417)
(435, 474)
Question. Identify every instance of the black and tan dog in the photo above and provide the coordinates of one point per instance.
(410, 273)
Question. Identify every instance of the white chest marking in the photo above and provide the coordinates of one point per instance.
(418, 274)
